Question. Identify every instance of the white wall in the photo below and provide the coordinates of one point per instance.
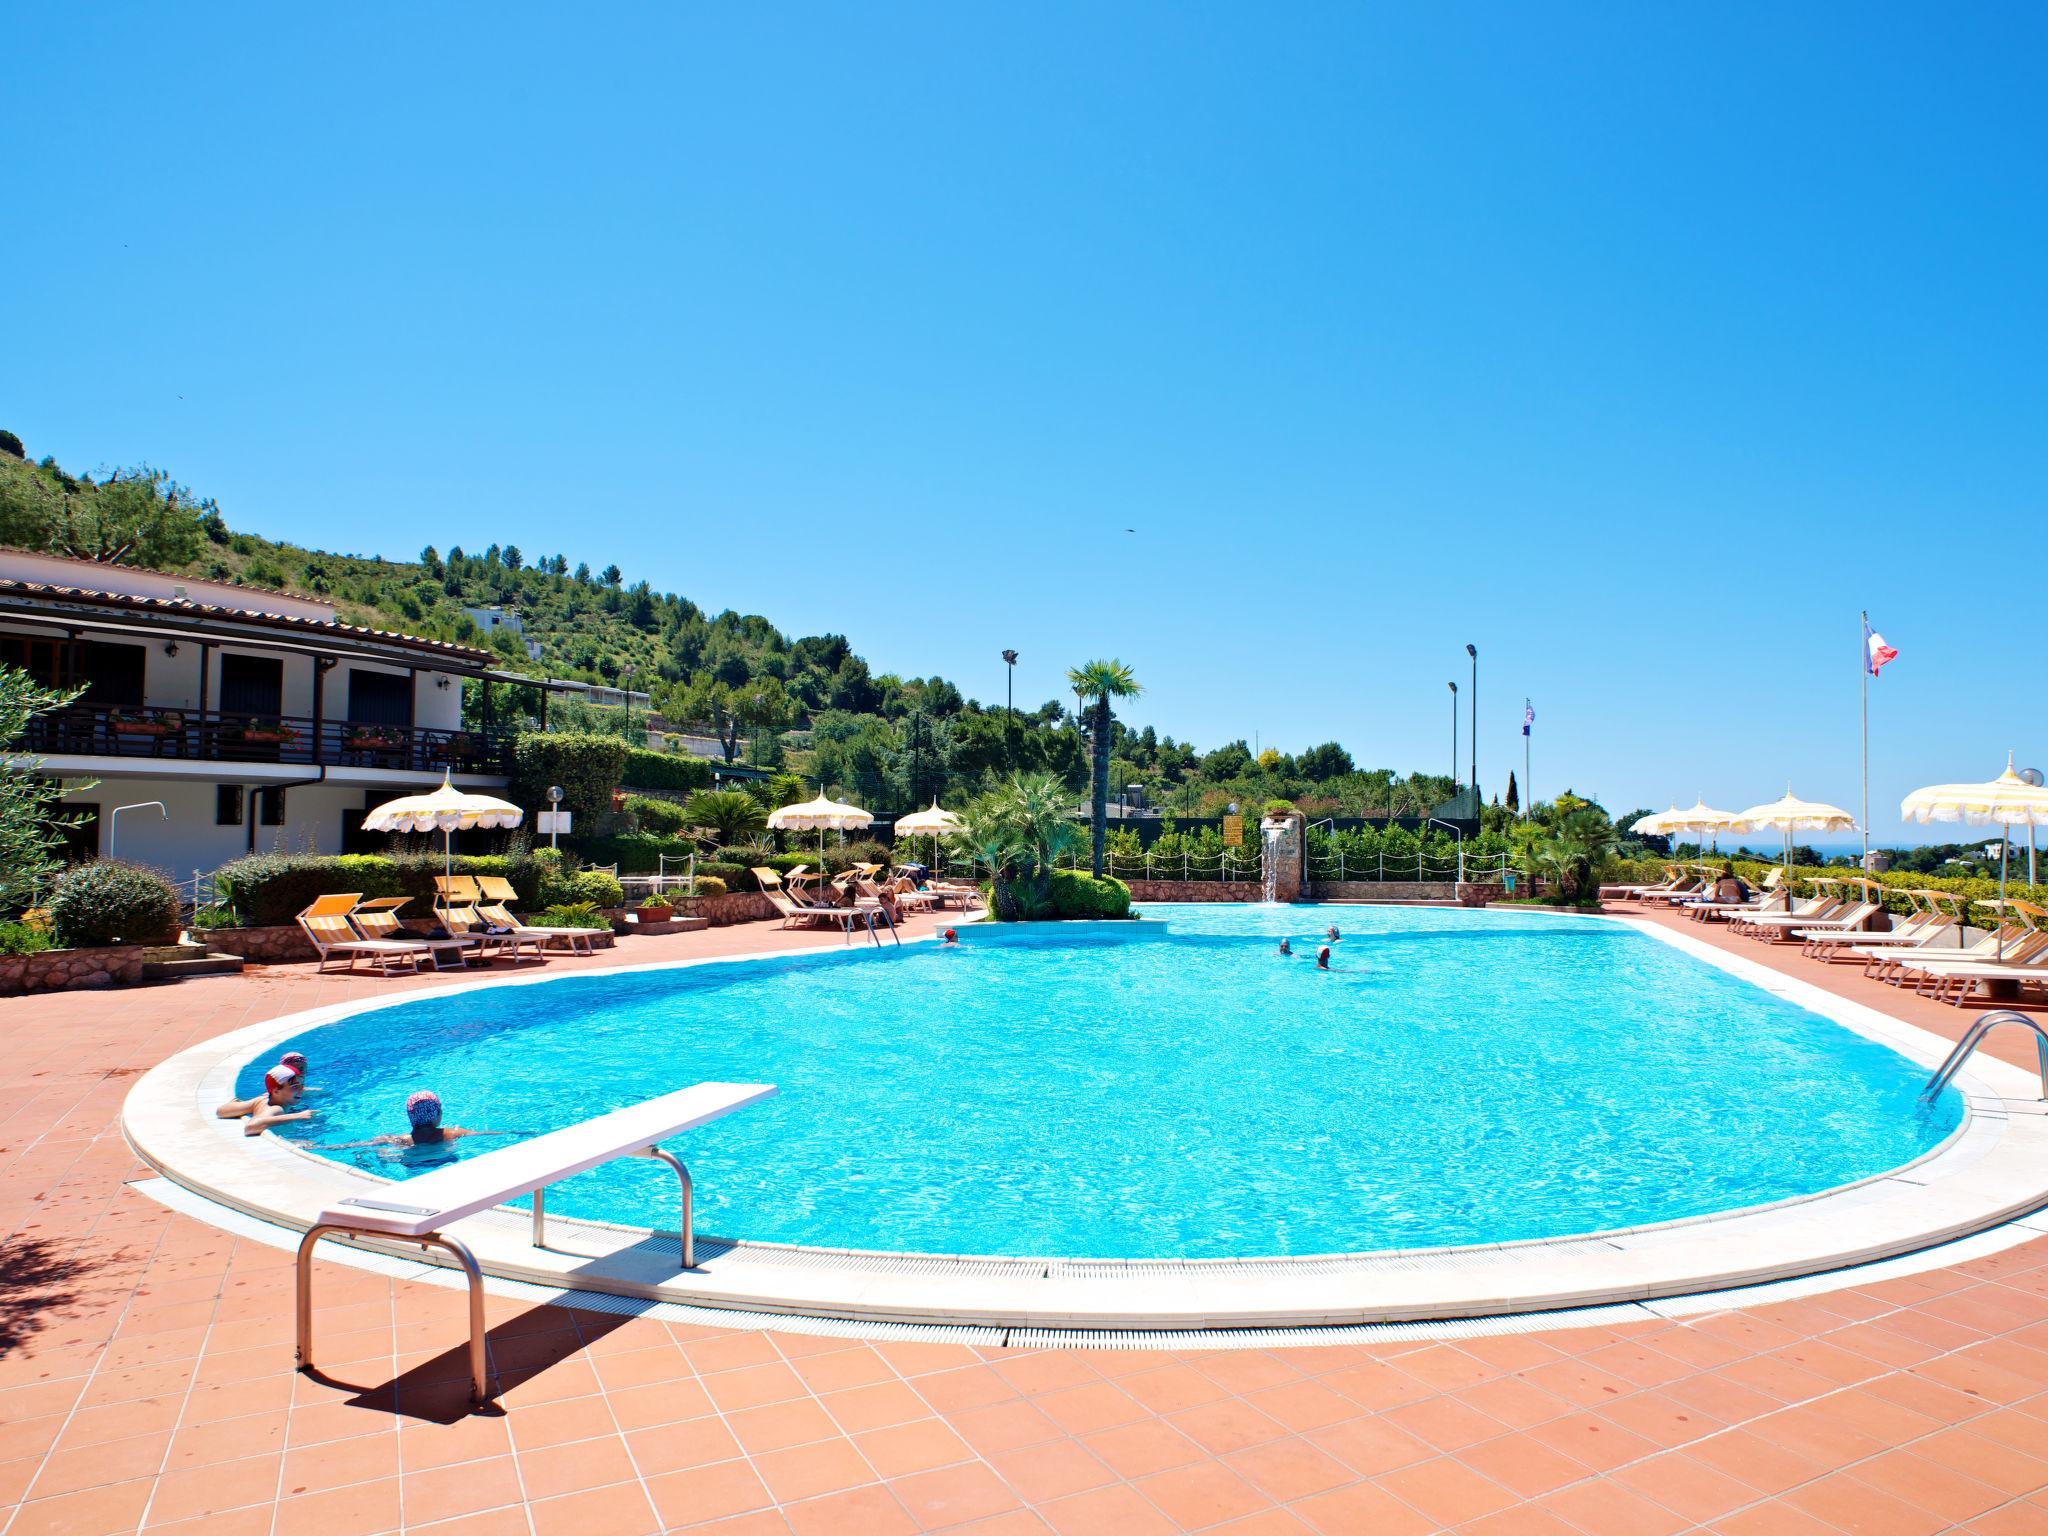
(189, 840)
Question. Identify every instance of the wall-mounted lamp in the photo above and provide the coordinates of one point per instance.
(440, 682)
(170, 647)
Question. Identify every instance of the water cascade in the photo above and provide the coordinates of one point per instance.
(1285, 862)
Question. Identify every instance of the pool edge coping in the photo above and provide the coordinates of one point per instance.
(1979, 1177)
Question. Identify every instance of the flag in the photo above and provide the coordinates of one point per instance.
(1529, 716)
(1875, 652)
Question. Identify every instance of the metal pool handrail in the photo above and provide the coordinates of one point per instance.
(1975, 1037)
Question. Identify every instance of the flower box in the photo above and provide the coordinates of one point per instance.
(274, 735)
(141, 727)
(372, 741)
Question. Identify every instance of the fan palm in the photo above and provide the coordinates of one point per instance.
(1106, 680)
(730, 813)
(1020, 830)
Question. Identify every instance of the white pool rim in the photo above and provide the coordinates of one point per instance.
(1992, 1170)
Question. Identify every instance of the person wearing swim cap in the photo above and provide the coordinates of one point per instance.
(423, 1113)
(949, 938)
(1286, 946)
(1323, 958)
(1333, 935)
(281, 1088)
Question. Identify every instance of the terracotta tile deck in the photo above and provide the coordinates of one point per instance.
(146, 1381)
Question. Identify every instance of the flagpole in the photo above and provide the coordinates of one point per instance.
(1863, 678)
(1525, 755)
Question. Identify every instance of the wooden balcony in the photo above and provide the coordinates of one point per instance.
(215, 736)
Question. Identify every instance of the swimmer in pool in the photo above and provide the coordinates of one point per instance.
(423, 1110)
(1333, 935)
(281, 1088)
(1323, 958)
(1286, 946)
(296, 1060)
(950, 939)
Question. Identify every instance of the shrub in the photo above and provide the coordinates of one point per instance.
(636, 853)
(734, 814)
(662, 817)
(656, 901)
(215, 914)
(709, 885)
(1278, 808)
(665, 770)
(587, 767)
(1075, 895)
(575, 914)
(109, 902)
(22, 939)
(866, 851)
(555, 885)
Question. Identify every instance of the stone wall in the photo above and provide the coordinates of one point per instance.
(59, 970)
(265, 946)
(1196, 890)
(1384, 890)
(732, 907)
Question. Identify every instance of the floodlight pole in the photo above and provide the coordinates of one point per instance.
(1473, 652)
(1454, 738)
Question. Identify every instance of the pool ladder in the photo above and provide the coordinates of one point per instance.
(1975, 1038)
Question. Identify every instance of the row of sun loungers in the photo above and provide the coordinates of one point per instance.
(474, 911)
(1925, 951)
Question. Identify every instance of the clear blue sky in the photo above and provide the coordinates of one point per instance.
(1640, 345)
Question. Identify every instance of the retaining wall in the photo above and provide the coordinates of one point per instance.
(1384, 890)
(58, 970)
(1196, 890)
(265, 946)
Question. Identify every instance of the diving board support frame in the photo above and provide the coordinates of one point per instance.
(686, 1230)
(479, 1383)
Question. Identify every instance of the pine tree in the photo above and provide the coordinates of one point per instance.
(1514, 794)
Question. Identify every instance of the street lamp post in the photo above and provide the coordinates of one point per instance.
(1473, 652)
(2033, 777)
(1454, 738)
(1010, 707)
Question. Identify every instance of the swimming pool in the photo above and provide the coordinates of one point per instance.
(1168, 1088)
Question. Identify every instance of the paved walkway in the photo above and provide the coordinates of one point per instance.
(146, 1381)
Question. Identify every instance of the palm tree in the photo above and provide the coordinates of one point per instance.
(1106, 680)
(730, 813)
(1019, 829)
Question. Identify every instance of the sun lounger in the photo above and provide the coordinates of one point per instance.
(1814, 909)
(468, 923)
(326, 927)
(378, 918)
(421, 1210)
(1830, 944)
(496, 895)
(800, 914)
(1848, 920)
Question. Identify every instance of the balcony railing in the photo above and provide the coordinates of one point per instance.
(220, 736)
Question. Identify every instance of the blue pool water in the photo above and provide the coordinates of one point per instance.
(1170, 1087)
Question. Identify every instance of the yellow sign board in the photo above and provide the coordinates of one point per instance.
(1233, 831)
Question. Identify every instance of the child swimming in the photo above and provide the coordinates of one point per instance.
(281, 1088)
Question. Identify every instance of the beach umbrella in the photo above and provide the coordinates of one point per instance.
(1790, 815)
(2006, 801)
(447, 810)
(821, 815)
(935, 822)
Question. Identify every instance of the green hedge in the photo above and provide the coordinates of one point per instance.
(665, 770)
(270, 889)
(586, 767)
(1075, 895)
(109, 902)
(662, 817)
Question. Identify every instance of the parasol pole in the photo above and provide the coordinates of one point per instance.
(2004, 846)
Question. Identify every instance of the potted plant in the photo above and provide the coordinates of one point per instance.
(657, 909)
(274, 732)
(372, 738)
(141, 722)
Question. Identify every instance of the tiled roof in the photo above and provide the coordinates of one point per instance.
(185, 607)
(155, 570)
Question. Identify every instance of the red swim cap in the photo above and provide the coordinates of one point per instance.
(951, 935)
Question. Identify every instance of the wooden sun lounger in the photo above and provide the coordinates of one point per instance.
(494, 906)
(326, 927)
(470, 925)
(378, 919)
(420, 1210)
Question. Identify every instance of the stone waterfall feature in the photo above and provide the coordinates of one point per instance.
(1284, 845)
